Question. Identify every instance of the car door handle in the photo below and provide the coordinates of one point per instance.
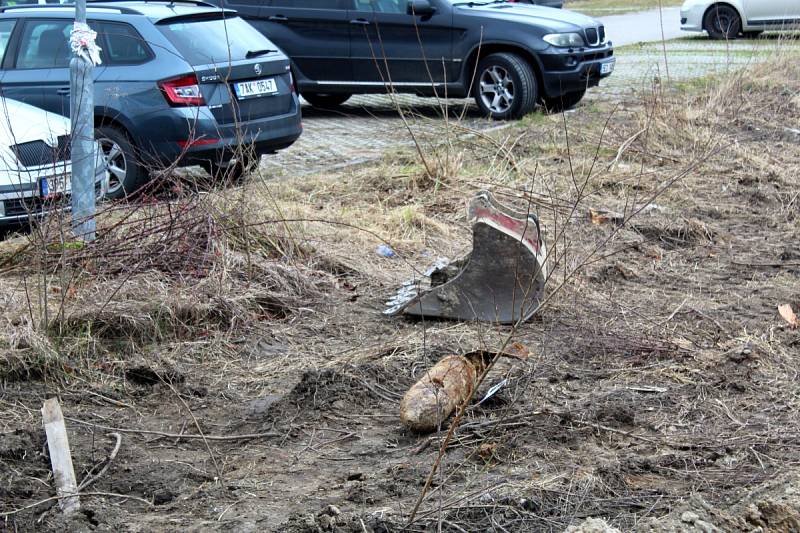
(360, 22)
(62, 90)
(279, 18)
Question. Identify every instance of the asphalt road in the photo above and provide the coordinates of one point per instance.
(644, 27)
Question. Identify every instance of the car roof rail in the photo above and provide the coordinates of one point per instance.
(199, 3)
(38, 7)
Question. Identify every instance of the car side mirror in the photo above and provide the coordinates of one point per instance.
(420, 8)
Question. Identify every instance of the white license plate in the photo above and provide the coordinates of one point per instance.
(607, 68)
(252, 89)
(54, 185)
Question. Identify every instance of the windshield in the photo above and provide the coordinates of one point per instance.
(203, 41)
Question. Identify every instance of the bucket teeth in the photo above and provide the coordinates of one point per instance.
(501, 280)
(402, 297)
(407, 292)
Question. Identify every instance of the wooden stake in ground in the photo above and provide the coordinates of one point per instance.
(60, 457)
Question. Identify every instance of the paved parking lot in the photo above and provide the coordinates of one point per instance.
(364, 128)
(367, 126)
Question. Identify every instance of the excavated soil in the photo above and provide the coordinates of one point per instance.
(661, 393)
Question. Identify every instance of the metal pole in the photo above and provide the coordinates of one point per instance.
(82, 142)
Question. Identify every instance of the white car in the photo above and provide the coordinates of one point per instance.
(732, 18)
(35, 167)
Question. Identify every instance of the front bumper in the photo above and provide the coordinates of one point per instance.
(568, 70)
(23, 200)
(692, 18)
(195, 136)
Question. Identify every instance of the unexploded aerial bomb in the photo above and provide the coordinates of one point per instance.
(450, 383)
(432, 399)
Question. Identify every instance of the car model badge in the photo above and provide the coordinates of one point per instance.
(257, 68)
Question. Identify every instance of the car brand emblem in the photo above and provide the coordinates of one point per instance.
(257, 68)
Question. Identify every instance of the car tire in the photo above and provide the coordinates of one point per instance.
(722, 22)
(566, 101)
(232, 172)
(326, 100)
(125, 174)
(505, 86)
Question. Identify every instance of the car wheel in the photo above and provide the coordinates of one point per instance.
(125, 174)
(564, 102)
(232, 171)
(326, 100)
(722, 22)
(505, 87)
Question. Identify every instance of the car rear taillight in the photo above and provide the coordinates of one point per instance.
(182, 91)
(291, 82)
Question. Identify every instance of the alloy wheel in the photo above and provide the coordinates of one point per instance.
(723, 21)
(115, 164)
(496, 89)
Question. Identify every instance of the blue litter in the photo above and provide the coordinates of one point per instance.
(385, 251)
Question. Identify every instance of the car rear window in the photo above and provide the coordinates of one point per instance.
(203, 41)
(6, 27)
(122, 44)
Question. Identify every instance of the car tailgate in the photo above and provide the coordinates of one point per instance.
(242, 74)
(247, 90)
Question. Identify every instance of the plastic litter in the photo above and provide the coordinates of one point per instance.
(385, 250)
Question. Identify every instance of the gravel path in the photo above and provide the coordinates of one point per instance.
(687, 59)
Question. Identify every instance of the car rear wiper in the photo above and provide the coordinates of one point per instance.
(255, 53)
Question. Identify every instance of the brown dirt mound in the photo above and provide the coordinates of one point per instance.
(773, 507)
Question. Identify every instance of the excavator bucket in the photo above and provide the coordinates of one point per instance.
(502, 280)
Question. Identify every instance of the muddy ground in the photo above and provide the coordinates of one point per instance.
(661, 394)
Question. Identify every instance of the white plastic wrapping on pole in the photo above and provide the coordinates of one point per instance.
(87, 54)
(82, 42)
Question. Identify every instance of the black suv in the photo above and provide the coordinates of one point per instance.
(509, 56)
